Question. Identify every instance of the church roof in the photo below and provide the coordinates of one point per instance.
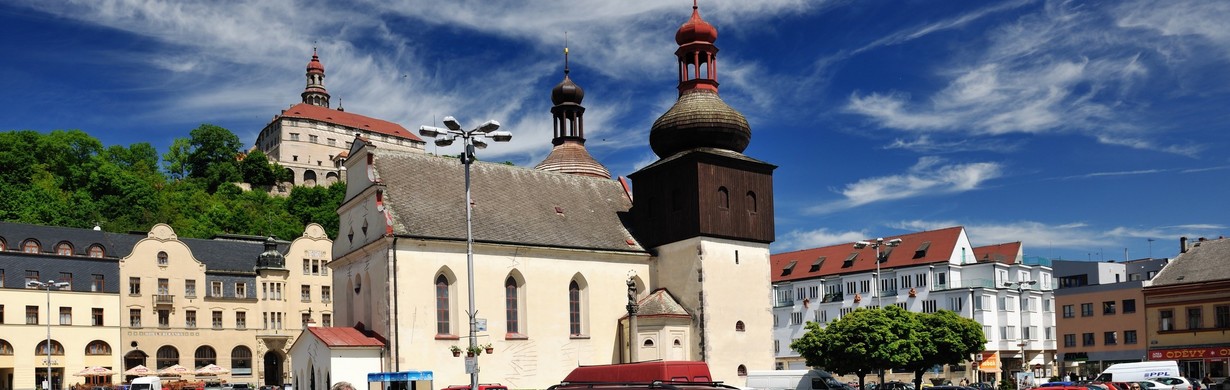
(425, 195)
(570, 156)
(933, 246)
(660, 303)
(335, 337)
(325, 114)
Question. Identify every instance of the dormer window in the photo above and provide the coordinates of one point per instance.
(815, 266)
(849, 260)
(789, 268)
(922, 250)
(30, 246)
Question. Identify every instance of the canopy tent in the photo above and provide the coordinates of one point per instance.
(95, 371)
(175, 370)
(139, 370)
(212, 369)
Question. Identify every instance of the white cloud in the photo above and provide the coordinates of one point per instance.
(930, 176)
(929, 144)
(803, 239)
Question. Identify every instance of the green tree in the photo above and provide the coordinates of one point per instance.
(212, 157)
(944, 338)
(861, 342)
(175, 161)
(317, 204)
(256, 170)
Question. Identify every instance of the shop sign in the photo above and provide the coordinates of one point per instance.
(1189, 353)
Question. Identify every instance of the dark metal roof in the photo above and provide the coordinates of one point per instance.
(115, 245)
(425, 195)
(228, 254)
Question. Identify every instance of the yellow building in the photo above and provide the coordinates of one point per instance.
(231, 301)
(84, 315)
(1187, 309)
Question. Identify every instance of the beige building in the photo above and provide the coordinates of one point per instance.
(1187, 309)
(232, 301)
(556, 248)
(84, 316)
(311, 139)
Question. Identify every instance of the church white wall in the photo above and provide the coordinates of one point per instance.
(732, 278)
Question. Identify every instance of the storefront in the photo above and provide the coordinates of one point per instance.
(1196, 362)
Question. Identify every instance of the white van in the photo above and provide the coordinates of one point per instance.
(793, 380)
(146, 383)
(1131, 372)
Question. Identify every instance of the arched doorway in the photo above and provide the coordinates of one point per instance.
(132, 359)
(309, 178)
(273, 368)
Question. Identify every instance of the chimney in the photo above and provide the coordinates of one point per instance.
(1182, 244)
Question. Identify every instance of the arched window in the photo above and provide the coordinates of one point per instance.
(739, 327)
(98, 347)
(6, 349)
(97, 251)
(576, 308)
(167, 356)
(648, 343)
(512, 306)
(443, 325)
(751, 202)
(742, 370)
(723, 198)
(309, 177)
(30, 246)
(241, 361)
(678, 343)
(205, 356)
(358, 283)
(64, 249)
(56, 348)
(163, 259)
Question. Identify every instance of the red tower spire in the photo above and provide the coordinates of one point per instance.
(314, 93)
(697, 54)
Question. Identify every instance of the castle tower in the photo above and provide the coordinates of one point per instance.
(314, 93)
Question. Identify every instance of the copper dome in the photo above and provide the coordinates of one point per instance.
(696, 29)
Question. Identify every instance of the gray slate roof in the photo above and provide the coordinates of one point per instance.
(513, 205)
(1205, 261)
(228, 255)
(115, 245)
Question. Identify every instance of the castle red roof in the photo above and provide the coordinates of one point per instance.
(344, 337)
(323, 114)
(933, 246)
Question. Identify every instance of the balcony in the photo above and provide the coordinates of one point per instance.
(833, 297)
(164, 300)
(783, 303)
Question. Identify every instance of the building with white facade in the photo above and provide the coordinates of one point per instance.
(926, 272)
(311, 139)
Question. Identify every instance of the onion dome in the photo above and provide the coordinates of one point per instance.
(696, 29)
(699, 119)
(314, 64)
(567, 92)
(569, 156)
(271, 258)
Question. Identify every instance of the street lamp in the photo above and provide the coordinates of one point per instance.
(47, 286)
(471, 139)
(879, 243)
(1021, 286)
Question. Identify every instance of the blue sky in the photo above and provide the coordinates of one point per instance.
(1081, 128)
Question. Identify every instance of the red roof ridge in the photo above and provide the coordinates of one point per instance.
(917, 248)
(348, 119)
(344, 337)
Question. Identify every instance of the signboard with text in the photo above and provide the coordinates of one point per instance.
(1190, 353)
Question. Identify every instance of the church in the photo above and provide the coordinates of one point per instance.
(570, 266)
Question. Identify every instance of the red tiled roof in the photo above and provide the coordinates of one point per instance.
(939, 245)
(323, 114)
(1002, 253)
(344, 337)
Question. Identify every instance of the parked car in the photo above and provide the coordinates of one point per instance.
(1153, 385)
(1177, 382)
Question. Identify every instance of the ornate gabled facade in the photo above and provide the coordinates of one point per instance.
(556, 248)
(310, 138)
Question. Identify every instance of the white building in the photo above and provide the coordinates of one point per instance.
(928, 271)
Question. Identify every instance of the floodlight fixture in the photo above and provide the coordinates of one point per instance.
(444, 141)
(894, 242)
(451, 123)
(500, 136)
(478, 143)
(861, 244)
(489, 126)
(430, 131)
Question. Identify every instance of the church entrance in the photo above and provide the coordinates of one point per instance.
(273, 369)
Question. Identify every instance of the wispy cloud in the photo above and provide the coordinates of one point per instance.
(1116, 173)
(930, 176)
(1061, 69)
(802, 239)
(929, 144)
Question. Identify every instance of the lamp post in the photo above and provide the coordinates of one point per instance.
(879, 243)
(47, 286)
(470, 139)
(1021, 286)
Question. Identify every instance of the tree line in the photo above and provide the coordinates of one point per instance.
(69, 178)
(868, 340)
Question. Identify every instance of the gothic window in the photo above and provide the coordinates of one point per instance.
(443, 315)
(576, 308)
(723, 198)
(751, 202)
(512, 306)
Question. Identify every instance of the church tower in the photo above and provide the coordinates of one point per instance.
(706, 209)
(569, 154)
(315, 93)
